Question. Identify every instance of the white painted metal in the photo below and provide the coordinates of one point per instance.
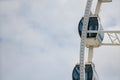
(106, 0)
(93, 31)
(83, 39)
(90, 54)
(113, 37)
(84, 33)
(98, 7)
(110, 44)
(96, 41)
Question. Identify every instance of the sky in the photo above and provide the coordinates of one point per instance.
(39, 39)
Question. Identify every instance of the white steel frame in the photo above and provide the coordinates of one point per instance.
(84, 32)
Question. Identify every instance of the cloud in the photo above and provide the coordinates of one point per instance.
(107, 62)
(39, 40)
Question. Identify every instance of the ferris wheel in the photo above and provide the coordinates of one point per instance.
(92, 36)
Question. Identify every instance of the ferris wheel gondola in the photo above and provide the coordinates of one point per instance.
(90, 73)
(93, 39)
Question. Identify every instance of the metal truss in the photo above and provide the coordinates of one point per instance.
(84, 33)
(112, 38)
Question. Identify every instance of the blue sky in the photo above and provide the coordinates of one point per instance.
(39, 39)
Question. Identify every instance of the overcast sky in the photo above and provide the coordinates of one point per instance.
(39, 39)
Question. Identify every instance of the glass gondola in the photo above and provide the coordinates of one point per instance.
(93, 39)
(90, 73)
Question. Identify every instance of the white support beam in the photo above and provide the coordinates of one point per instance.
(97, 10)
(84, 34)
(90, 54)
(93, 31)
(83, 38)
(110, 44)
(112, 36)
(105, 0)
(117, 37)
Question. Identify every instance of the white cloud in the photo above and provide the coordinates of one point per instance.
(39, 40)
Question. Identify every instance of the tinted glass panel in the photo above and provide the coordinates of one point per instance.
(92, 25)
(75, 74)
(88, 72)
